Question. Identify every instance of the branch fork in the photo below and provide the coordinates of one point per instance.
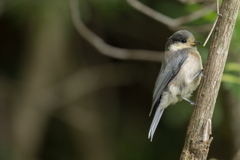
(218, 15)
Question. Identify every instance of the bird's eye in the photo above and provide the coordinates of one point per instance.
(184, 41)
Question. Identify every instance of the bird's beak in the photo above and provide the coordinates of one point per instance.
(195, 43)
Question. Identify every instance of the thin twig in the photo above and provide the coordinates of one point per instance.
(213, 24)
(170, 22)
(105, 48)
(200, 29)
(211, 31)
(151, 13)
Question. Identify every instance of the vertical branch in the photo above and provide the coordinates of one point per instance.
(196, 146)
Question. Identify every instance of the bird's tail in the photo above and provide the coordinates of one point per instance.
(156, 119)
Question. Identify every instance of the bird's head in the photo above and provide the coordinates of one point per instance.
(180, 40)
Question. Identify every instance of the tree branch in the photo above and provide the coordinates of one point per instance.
(105, 48)
(170, 22)
(218, 14)
(195, 147)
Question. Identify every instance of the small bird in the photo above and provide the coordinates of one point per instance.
(179, 76)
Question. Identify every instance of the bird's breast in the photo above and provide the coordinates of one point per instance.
(182, 80)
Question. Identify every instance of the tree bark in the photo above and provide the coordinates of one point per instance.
(197, 140)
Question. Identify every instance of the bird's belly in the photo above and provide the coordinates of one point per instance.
(181, 85)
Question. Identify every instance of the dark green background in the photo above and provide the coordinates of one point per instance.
(115, 125)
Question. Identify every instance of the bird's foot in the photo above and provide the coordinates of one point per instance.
(192, 103)
(200, 72)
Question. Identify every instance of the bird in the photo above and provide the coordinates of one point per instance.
(179, 75)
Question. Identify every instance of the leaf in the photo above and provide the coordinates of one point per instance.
(230, 78)
(232, 67)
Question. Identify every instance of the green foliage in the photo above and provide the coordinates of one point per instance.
(109, 9)
(210, 17)
(230, 78)
(163, 7)
(234, 46)
(231, 66)
(231, 74)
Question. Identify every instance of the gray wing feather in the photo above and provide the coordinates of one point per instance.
(170, 67)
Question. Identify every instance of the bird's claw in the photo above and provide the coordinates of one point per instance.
(201, 74)
(192, 103)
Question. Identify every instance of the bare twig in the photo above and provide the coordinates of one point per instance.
(200, 29)
(170, 22)
(105, 48)
(213, 24)
(151, 13)
(211, 31)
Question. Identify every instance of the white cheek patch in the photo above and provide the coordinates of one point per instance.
(178, 46)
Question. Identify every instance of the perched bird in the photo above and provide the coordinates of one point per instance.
(179, 76)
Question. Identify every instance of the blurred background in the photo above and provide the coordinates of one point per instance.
(82, 89)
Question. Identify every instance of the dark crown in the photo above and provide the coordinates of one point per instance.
(179, 36)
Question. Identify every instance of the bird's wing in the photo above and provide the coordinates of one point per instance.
(170, 67)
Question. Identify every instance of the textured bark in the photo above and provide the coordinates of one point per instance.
(196, 144)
